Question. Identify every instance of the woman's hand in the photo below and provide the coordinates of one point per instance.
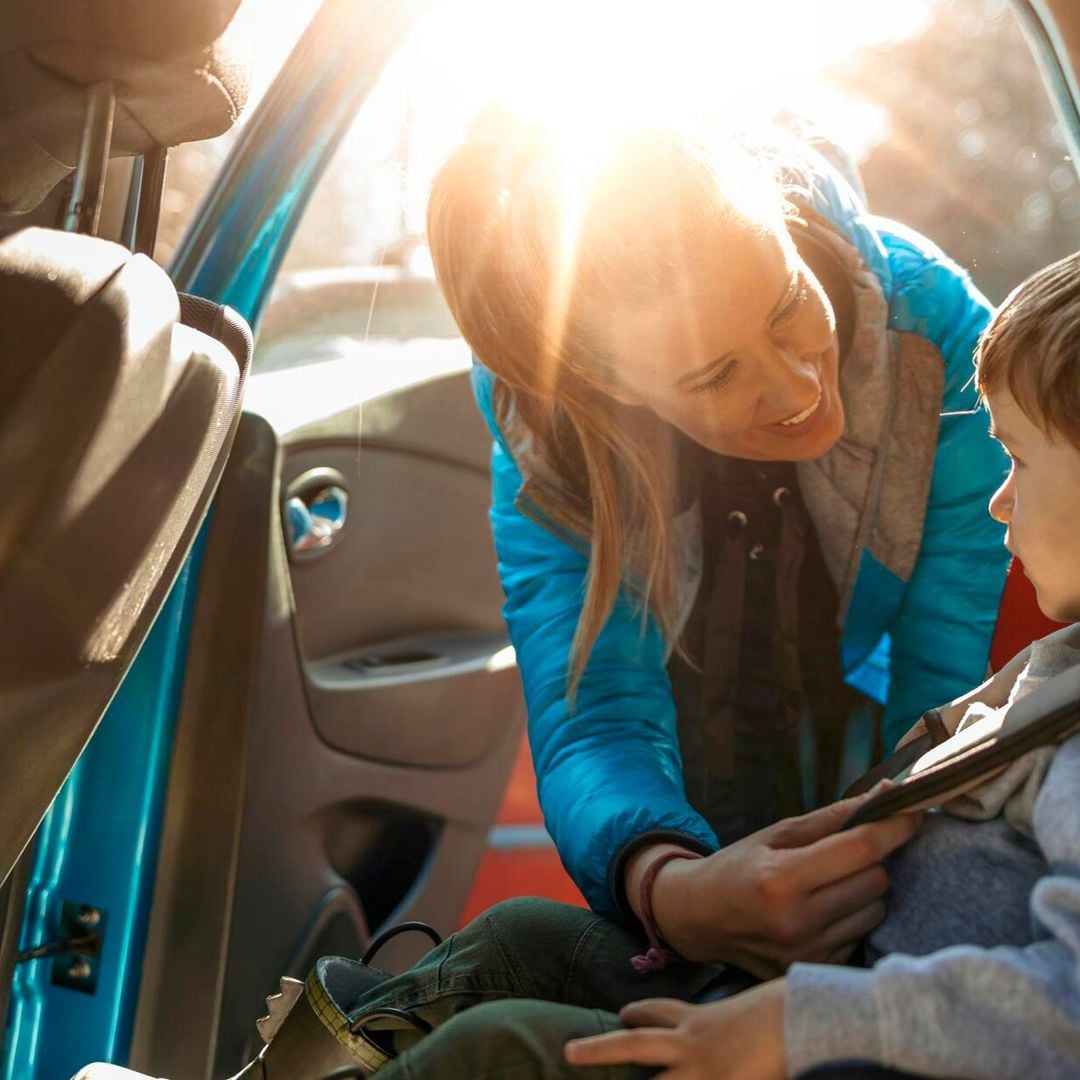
(797, 890)
(740, 1037)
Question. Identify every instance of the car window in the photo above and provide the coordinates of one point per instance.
(270, 29)
(939, 101)
(973, 155)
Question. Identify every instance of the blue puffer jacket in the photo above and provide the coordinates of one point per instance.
(610, 771)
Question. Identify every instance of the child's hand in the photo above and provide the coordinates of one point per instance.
(740, 1037)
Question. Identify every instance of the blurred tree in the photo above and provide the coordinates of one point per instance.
(973, 157)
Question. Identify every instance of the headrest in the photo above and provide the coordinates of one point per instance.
(176, 69)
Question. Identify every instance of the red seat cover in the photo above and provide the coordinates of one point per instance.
(1019, 621)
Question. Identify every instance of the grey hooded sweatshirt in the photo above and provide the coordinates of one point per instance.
(975, 971)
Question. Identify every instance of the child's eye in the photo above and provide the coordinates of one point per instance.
(719, 380)
(794, 304)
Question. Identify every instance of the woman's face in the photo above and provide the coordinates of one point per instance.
(741, 357)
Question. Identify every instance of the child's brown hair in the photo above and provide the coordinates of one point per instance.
(1032, 347)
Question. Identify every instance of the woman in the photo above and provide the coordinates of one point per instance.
(734, 451)
(734, 468)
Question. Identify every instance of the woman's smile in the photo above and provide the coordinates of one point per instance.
(802, 417)
(807, 422)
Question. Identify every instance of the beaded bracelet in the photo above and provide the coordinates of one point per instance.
(656, 956)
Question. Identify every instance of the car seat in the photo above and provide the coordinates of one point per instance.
(119, 398)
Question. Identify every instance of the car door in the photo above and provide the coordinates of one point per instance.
(352, 708)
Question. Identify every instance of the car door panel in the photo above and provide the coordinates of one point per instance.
(320, 790)
(414, 573)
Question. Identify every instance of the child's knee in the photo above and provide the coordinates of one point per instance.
(533, 914)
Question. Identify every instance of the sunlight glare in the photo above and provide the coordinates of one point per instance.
(573, 64)
(584, 69)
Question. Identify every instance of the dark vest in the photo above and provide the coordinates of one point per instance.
(757, 683)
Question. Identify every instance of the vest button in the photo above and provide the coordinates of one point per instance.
(736, 522)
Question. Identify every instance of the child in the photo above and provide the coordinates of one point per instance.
(983, 929)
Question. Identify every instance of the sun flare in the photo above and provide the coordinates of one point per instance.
(582, 64)
(577, 65)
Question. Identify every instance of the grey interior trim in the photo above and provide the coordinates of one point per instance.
(314, 479)
(265, 822)
(383, 711)
(417, 659)
(417, 556)
(192, 907)
(406, 843)
(441, 423)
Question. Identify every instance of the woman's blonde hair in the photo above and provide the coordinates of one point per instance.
(526, 249)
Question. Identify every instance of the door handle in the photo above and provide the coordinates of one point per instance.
(315, 510)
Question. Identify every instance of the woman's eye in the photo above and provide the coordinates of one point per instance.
(719, 380)
(796, 301)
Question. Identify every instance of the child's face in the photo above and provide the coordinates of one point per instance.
(1040, 504)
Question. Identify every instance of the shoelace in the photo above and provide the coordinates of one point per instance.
(381, 939)
(349, 1072)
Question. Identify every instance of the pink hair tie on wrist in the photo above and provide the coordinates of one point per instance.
(656, 956)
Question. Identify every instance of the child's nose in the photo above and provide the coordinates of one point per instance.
(1001, 505)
